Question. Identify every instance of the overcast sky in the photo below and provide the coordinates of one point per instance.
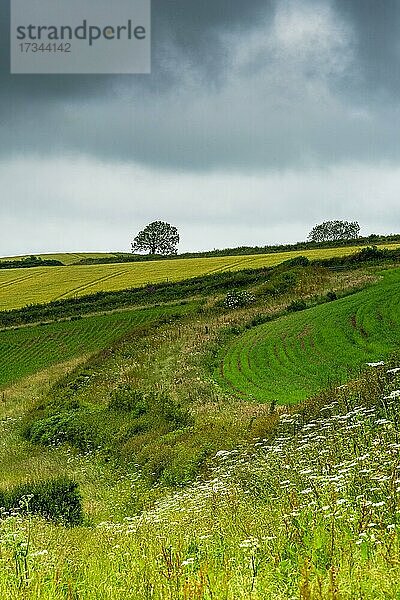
(259, 120)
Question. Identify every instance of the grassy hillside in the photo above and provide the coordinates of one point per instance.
(295, 356)
(30, 349)
(190, 490)
(19, 287)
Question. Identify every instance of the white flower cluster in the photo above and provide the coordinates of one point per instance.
(238, 299)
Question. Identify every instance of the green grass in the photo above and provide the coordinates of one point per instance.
(301, 503)
(295, 356)
(19, 287)
(30, 349)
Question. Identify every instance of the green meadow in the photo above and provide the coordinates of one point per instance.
(203, 450)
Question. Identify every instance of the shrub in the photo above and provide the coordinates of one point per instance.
(170, 411)
(58, 500)
(280, 284)
(299, 261)
(238, 299)
(68, 426)
(259, 319)
(81, 380)
(331, 296)
(127, 399)
(297, 305)
(370, 253)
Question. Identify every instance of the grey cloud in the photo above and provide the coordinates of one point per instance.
(275, 109)
(188, 28)
(230, 89)
(377, 44)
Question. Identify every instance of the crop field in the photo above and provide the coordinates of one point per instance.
(301, 353)
(28, 350)
(68, 258)
(19, 287)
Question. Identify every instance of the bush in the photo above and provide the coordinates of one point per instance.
(170, 411)
(127, 399)
(238, 299)
(280, 284)
(68, 426)
(331, 296)
(260, 320)
(370, 253)
(58, 500)
(299, 261)
(297, 305)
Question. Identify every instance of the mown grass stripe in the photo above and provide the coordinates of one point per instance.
(27, 350)
(297, 355)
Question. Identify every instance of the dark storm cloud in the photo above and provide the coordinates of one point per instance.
(35, 110)
(190, 27)
(298, 102)
(376, 25)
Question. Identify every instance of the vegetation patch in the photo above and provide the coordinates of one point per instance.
(55, 499)
(43, 284)
(30, 261)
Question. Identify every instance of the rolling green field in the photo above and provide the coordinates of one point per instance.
(188, 490)
(301, 353)
(28, 350)
(19, 287)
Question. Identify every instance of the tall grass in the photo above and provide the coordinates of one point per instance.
(310, 513)
(27, 350)
(248, 501)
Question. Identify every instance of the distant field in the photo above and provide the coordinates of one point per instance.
(30, 349)
(68, 258)
(299, 354)
(19, 287)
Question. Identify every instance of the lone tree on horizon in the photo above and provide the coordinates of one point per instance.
(331, 231)
(157, 238)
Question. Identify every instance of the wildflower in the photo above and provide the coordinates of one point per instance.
(250, 543)
(392, 395)
(39, 553)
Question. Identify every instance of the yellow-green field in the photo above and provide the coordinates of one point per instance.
(68, 258)
(19, 287)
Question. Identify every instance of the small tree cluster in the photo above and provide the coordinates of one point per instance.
(331, 231)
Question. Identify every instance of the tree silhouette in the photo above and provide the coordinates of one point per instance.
(157, 238)
(330, 231)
